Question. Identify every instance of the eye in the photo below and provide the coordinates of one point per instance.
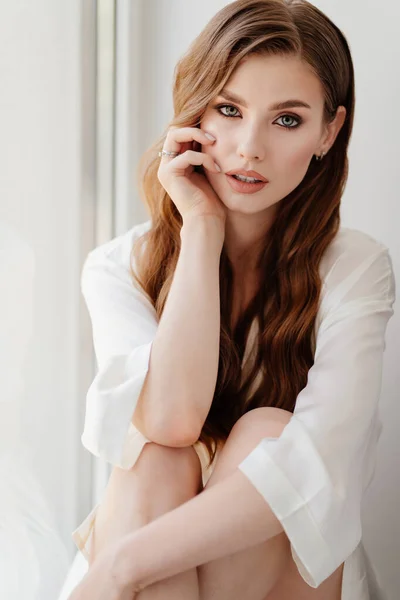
(295, 118)
(220, 106)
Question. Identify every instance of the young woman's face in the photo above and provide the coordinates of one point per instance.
(251, 134)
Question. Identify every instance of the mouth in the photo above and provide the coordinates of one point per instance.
(249, 176)
(246, 179)
(245, 187)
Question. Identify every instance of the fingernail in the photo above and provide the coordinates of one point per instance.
(217, 166)
(210, 137)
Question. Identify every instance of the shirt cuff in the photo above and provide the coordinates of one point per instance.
(110, 403)
(310, 552)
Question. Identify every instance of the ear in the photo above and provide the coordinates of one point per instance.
(332, 129)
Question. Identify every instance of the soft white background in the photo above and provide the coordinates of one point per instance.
(50, 219)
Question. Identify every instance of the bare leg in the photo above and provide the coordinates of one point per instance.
(161, 479)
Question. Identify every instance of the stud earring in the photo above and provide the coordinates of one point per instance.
(321, 156)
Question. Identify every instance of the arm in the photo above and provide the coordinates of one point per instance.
(179, 387)
(315, 475)
(125, 326)
(205, 528)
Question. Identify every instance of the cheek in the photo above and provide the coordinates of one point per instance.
(299, 156)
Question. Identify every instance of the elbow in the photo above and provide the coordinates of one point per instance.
(165, 433)
(175, 428)
(178, 434)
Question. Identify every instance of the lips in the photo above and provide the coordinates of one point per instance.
(247, 174)
(243, 187)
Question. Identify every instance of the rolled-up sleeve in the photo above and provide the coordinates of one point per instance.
(124, 324)
(313, 476)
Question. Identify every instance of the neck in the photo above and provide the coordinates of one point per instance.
(245, 237)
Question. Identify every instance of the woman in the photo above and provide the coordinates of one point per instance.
(243, 325)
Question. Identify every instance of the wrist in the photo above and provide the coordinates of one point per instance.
(126, 567)
(211, 226)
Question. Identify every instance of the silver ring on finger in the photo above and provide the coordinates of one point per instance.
(167, 153)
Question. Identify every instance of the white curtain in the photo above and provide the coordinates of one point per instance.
(30, 547)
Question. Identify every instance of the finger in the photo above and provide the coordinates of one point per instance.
(176, 137)
(191, 158)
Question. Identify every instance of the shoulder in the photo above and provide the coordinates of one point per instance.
(117, 251)
(108, 266)
(350, 249)
(355, 265)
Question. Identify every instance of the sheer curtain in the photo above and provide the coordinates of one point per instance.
(46, 227)
(111, 37)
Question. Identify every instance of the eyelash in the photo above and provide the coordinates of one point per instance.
(297, 118)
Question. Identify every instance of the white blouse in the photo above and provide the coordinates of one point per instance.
(315, 474)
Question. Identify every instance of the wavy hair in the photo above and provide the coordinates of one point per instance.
(306, 222)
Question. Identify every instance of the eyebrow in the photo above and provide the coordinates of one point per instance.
(228, 95)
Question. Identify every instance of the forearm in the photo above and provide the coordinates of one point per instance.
(207, 527)
(183, 365)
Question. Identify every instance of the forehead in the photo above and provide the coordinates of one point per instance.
(276, 78)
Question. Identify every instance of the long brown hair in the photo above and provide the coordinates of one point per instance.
(306, 222)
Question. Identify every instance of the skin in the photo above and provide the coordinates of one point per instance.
(239, 540)
(238, 548)
(255, 138)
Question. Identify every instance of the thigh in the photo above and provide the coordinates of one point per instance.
(251, 573)
(292, 585)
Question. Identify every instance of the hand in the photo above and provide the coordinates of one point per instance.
(103, 580)
(190, 191)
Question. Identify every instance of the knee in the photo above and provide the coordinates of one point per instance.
(246, 434)
(265, 421)
(175, 466)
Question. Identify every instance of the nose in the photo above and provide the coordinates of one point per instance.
(251, 146)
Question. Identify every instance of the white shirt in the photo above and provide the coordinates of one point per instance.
(314, 475)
